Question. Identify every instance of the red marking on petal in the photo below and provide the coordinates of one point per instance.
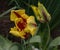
(34, 24)
(45, 16)
(27, 35)
(19, 24)
(19, 16)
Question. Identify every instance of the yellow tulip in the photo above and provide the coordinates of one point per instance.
(24, 24)
(41, 13)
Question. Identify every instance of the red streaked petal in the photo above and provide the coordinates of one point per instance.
(21, 25)
(27, 35)
(17, 15)
(34, 24)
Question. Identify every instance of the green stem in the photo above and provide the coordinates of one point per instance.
(17, 4)
(29, 45)
(48, 36)
(6, 12)
(40, 46)
(22, 43)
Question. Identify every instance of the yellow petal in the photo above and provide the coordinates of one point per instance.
(37, 14)
(25, 16)
(31, 19)
(14, 32)
(32, 29)
(17, 33)
(13, 15)
(42, 9)
(26, 30)
(22, 33)
(21, 11)
(30, 25)
(34, 8)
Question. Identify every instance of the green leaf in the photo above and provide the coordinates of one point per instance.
(0, 48)
(35, 39)
(10, 2)
(6, 12)
(55, 42)
(5, 44)
(15, 46)
(2, 41)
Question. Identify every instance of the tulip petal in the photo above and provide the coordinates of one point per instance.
(12, 16)
(15, 32)
(42, 10)
(41, 13)
(16, 14)
(31, 25)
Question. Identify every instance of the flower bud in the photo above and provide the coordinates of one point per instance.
(41, 13)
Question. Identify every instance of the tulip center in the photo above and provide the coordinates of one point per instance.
(27, 35)
(21, 25)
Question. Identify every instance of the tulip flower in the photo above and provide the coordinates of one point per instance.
(24, 24)
(41, 13)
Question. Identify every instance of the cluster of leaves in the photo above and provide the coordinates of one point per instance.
(5, 44)
(8, 45)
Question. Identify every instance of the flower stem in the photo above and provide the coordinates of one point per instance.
(17, 4)
(48, 37)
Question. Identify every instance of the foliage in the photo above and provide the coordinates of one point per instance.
(5, 44)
